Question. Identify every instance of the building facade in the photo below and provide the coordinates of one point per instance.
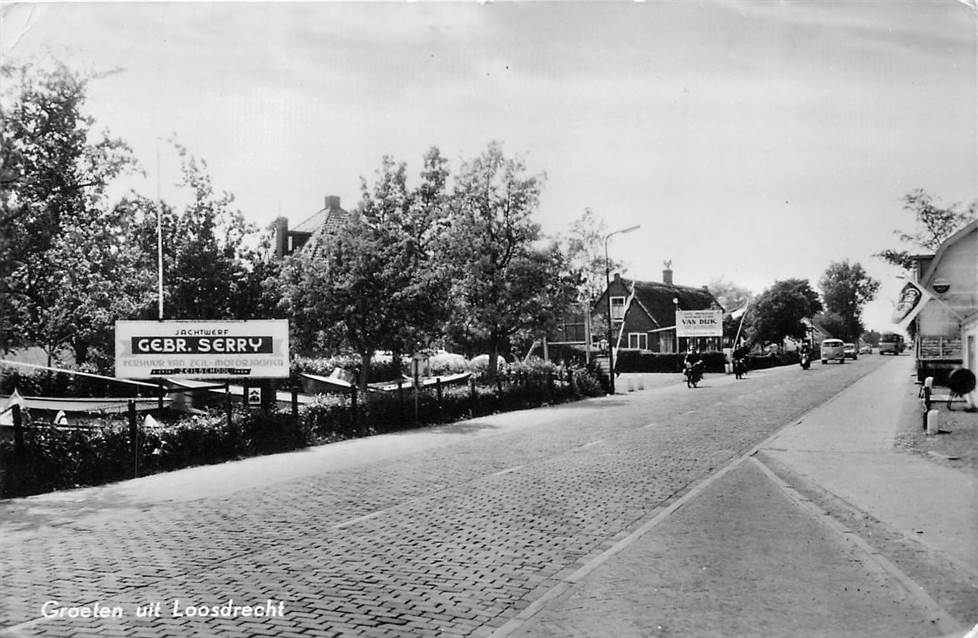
(947, 325)
(643, 314)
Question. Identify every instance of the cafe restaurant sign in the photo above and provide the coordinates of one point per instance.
(202, 349)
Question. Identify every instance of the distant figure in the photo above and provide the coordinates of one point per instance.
(692, 357)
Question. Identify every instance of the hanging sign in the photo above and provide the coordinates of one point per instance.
(912, 298)
(202, 349)
(699, 323)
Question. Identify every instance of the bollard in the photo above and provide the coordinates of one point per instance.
(933, 422)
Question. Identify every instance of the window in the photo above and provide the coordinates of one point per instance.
(617, 308)
(638, 341)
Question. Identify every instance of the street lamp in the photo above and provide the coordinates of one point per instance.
(675, 336)
(607, 281)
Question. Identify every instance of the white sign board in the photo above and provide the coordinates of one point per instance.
(202, 349)
(699, 323)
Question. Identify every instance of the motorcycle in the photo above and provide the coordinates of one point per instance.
(740, 367)
(805, 360)
(693, 373)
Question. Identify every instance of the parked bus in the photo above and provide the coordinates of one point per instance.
(892, 343)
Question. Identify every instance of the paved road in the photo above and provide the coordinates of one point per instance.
(446, 532)
(825, 531)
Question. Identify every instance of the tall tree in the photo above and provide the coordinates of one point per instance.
(64, 272)
(375, 283)
(584, 247)
(407, 224)
(934, 223)
(499, 273)
(846, 289)
(731, 296)
(778, 311)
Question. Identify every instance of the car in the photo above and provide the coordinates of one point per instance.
(851, 351)
(833, 350)
(866, 349)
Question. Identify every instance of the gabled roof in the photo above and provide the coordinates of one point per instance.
(947, 243)
(655, 298)
(328, 220)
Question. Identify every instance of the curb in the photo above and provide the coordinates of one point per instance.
(938, 616)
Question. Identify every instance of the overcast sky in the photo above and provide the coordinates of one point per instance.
(752, 141)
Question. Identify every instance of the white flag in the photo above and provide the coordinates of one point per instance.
(913, 297)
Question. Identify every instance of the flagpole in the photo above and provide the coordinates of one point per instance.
(159, 238)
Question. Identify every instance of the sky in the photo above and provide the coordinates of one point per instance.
(752, 141)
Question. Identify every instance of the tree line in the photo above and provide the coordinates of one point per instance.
(452, 258)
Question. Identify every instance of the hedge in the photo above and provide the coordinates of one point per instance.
(99, 451)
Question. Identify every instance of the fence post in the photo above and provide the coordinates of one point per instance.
(227, 403)
(353, 406)
(18, 429)
(400, 398)
(471, 395)
(134, 438)
(295, 407)
(438, 394)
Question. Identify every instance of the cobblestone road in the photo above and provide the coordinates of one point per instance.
(455, 540)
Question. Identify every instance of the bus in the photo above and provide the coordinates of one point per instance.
(892, 343)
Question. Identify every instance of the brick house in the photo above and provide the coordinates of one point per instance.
(327, 220)
(644, 313)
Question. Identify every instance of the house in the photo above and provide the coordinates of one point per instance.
(644, 313)
(947, 324)
(328, 220)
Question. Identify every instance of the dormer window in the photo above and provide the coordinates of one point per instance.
(617, 308)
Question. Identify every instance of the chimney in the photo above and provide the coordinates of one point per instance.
(281, 236)
(332, 202)
(667, 276)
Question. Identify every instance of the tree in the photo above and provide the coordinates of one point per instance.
(778, 311)
(846, 289)
(375, 283)
(935, 223)
(499, 278)
(584, 247)
(731, 296)
(65, 272)
(833, 323)
(408, 224)
(209, 270)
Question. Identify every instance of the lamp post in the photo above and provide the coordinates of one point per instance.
(675, 336)
(607, 281)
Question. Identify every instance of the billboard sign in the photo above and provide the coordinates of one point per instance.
(699, 323)
(202, 349)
